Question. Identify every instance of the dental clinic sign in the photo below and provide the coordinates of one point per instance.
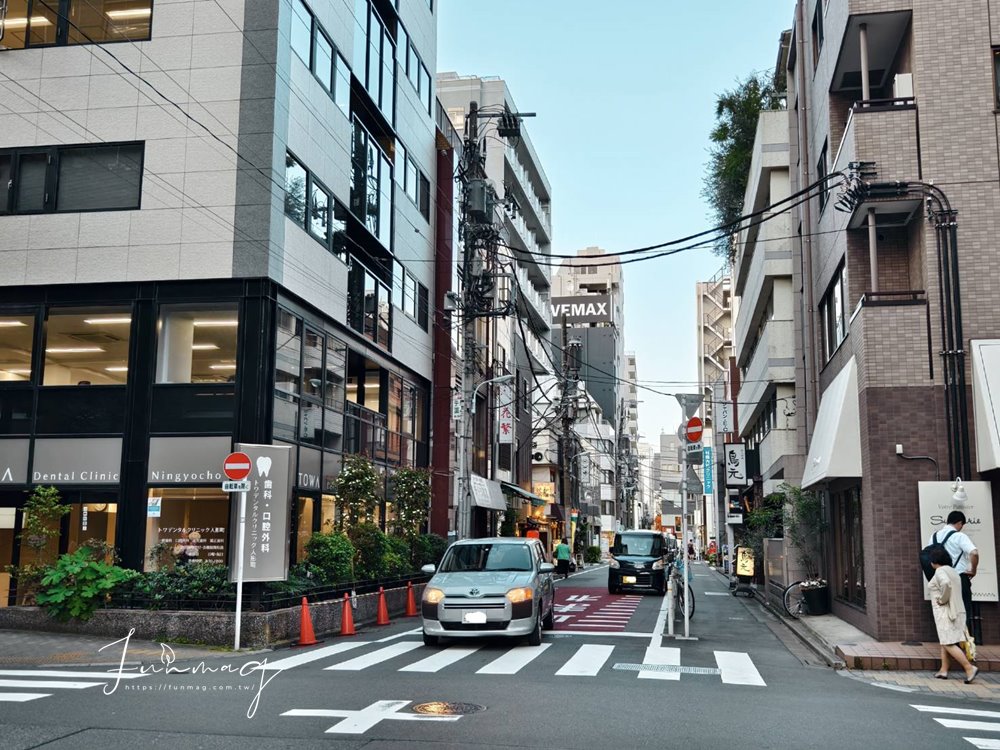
(584, 308)
(268, 502)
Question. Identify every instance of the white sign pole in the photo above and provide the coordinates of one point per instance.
(239, 568)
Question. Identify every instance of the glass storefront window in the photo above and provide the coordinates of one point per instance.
(197, 344)
(191, 527)
(92, 523)
(288, 351)
(7, 519)
(17, 336)
(312, 365)
(328, 514)
(304, 527)
(87, 346)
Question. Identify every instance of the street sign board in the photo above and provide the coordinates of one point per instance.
(724, 415)
(689, 402)
(241, 486)
(708, 470)
(694, 430)
(693, 448)
(694, 485)
(236, 466)
(735, 465)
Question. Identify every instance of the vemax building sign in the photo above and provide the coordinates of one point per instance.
(592, 308)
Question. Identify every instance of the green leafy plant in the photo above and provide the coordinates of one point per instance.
(78, 583)
(195, 581)
(736, 115)
(592, 555)
(42, 512)
(428, 549)
(411, 493)
(763, 522)
(329, 558)
(378, 555)
(357, 489)
(805, 524)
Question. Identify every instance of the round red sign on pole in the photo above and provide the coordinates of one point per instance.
(236, 466)
(694, 429)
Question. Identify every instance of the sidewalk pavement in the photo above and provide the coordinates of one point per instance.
(23, 648)
(907, 666)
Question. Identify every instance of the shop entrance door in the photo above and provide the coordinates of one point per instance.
(8, 518)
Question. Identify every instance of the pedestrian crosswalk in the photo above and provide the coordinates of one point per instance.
(23, 685)
(967, 720)
(560, 659)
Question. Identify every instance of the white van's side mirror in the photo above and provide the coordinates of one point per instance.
(428, 569)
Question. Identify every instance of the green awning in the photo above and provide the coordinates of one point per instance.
(513, 489)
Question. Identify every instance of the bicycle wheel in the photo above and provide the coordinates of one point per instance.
(795, 603)
(680, 602)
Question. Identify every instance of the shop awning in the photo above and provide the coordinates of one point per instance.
(555, 512)
(986, 402)
(835, 450)
(514, 489)
(487, 493)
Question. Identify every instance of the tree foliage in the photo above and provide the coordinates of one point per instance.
(357, 490)
(764, 522)
(42, 512)
(805, 524)
(725, 184)
(78, 583)
(411, 491)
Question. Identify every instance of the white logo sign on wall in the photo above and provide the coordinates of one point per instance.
(735, 465)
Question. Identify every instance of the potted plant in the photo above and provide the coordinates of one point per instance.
(805, 525)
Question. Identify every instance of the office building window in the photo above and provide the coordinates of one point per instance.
(312, 44)
(996, 84)
(822, 170)
(334, 393)
(302, 22)
(40, 23)
(87, 346)
(323, 61)
(295, 190)
(414, 69)
(319, 211)
(398, 283)
(374, 57)
(371, 184)
(326, 218)
(833, 313)
(71, 178)
(425, 197)
(817, 33)
(368, 305)
(196, 343)
(17, 339)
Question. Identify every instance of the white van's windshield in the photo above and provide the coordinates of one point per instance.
(637, 544)
(473, 557)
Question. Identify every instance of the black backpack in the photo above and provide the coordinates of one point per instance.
(925, 554)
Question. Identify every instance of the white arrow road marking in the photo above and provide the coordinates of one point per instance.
(314, 655)
(586, 662)
(359, 722)
(661, 655)
(514, 660)
(738, 669)
(376, 657)
(715, 593)
(441, 659)
(21, 697)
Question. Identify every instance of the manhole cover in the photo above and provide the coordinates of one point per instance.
(445, 708)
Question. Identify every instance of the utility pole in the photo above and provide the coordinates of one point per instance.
(480, 237)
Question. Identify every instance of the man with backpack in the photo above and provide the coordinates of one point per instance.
(964, 556)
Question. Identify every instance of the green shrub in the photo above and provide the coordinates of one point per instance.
(428, 549)
(592, 555)
(329, 558)
(79, 582)
(370, 548)
(397, 557)
(192, 581)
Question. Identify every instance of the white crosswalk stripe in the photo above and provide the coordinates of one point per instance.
(376, 657)
(966, 723)
(586, 662)
(52, 679)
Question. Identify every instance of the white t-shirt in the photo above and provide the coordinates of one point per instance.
(957, 544)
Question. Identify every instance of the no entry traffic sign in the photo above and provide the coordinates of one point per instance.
(236, 466)
(694, 429)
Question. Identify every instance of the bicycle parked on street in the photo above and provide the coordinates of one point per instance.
(794, 601)
(676, 576)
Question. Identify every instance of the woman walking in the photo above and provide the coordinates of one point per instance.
(949, 614)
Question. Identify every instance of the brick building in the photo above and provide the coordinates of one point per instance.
(873, 315)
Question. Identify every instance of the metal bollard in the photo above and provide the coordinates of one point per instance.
(670, 605)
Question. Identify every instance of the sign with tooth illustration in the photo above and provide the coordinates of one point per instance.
(268, 505)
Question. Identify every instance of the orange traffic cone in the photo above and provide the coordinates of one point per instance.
(306, 635)
(383, 610)
(347, 618)
(411, 603)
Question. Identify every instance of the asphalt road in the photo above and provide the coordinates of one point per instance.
(602, 679)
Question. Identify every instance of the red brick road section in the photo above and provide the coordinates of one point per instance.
(593, 609)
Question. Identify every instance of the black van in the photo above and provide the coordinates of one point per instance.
(639, 560)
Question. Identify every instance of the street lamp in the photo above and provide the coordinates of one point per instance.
(463, 526)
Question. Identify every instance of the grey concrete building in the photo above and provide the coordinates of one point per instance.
(245, 253)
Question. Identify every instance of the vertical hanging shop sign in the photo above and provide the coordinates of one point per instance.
(735, 465)
(708, 471)
(725, 417)
(505, 416)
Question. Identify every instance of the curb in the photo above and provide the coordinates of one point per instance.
(801, 631)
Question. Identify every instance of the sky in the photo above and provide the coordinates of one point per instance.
(625, 99)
